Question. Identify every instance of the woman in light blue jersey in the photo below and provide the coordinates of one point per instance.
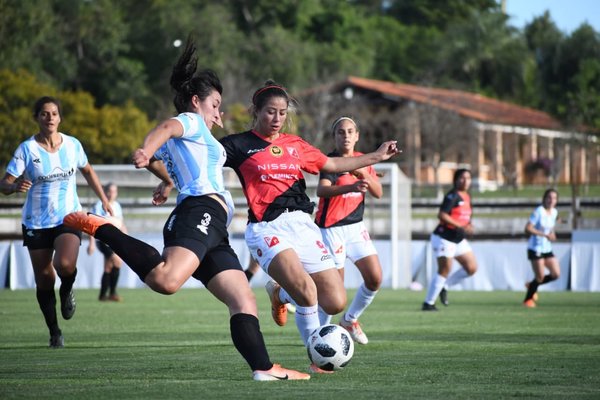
(540, 229)
(44, 167)
(182, 153)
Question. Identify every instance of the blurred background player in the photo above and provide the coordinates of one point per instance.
(540, 229)
(44, 166)
(449, 240)
(112, 262)
(340, 217)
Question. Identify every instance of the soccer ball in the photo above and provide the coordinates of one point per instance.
(330, 347)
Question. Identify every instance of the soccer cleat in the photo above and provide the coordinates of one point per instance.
(278, 373)
(67, 303)
(355, 331)
(115, 297)
(429, 307)
(313, 369)
(535, 295)
(87, 223)
(103, 298)
(278, 309)
(57, 341)
(529, 303)
(444, 297)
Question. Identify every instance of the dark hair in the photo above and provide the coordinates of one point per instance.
(458, 173)
(547, 192)
(269, 89)
(107, 186)
(187, 84)
(37, 106)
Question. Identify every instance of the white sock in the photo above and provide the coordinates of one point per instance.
(324, 318)
(284, 297)
(359, 304)
(307, 320)
(435, 287)
(456, 277)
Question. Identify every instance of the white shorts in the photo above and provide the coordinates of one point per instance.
(352, 241)
(291, 230)
(445, 248)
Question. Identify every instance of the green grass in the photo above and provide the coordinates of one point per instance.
(484, 346)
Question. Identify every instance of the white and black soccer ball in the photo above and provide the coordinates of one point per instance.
(330, 347)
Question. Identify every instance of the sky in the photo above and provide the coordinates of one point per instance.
(568, 15)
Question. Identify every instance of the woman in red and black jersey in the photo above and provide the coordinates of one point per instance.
(449, 240)
(340, 217)
(281, 234)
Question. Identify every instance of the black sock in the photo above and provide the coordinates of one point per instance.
(66, 283)
(547, 278)
(141, 257)
(249, 274)
(47, 302)
(114, 278)
(104, 283)
(249, 341)
(533, 285)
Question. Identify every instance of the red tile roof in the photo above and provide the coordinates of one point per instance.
(469, 105)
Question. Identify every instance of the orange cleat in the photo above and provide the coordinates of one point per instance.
(278, 373)
(529, 303)
(355, 331)
(535, 295)
(87, 223)
(278, 309)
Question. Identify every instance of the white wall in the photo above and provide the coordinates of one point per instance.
(503, 265)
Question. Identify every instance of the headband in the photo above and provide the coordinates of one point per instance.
(340, 119)
(261, 90)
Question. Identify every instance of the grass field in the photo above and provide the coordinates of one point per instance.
(485, 345)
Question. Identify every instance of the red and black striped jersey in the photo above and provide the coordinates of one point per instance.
(271, 172)
(458, 206)
(344, 209)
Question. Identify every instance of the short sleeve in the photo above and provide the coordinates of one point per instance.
(312, 158)
(16, 165)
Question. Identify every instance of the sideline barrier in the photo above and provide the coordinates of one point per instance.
(503, 265)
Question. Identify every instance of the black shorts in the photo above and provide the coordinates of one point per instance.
(532, 255)
(199, 224)
(36, 239)
(104, 249)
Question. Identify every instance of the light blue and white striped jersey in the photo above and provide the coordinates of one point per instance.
(53, 192)
(542, 221)
(195, 161)
(116, 207)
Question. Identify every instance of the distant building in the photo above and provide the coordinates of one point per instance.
(440, 130)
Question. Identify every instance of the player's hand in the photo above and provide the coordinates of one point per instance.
(360, 173)
(161, 193)
(140, 158)
(360, 186)
(388, 149)
(469, 230)
(108, 208)
(22, 185)
(551, 236)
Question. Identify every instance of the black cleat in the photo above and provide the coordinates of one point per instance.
(57, 341)
(67, 304)
(444, 297)
(429, 307)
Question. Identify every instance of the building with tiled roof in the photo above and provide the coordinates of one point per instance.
(440, 129)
